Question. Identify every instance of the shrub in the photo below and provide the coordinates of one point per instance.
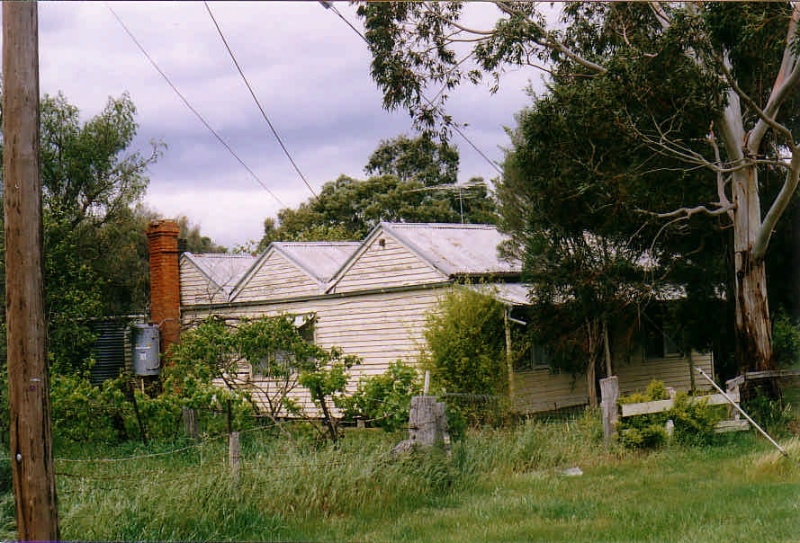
(466, 352)
(693, 420)
(81, 411)
(385, 400)
(786, 340)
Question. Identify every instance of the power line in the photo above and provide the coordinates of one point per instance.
(255, 98)
(329, 5)
(191, 108)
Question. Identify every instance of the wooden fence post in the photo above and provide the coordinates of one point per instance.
(609, 394)
(190, 422)
(427, 424)
(234, 454)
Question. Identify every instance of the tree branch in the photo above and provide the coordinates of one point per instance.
(721, 182)
(778, 206)
(551, 42)
(765, 119)
(685, 213)
(787, 78)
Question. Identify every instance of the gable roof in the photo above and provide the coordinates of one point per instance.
(319, 259)
(449, 249)
(223, 270)
(455, 249)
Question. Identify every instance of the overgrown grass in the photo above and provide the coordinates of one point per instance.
(497, 485)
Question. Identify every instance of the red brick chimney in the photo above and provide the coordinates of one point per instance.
(165, 287)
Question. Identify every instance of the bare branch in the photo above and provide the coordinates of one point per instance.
(661, 14)
(754, 138)
(778, 206)
(685, 213)
(721, 182)
(785, 82)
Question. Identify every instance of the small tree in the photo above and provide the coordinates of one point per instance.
(385, 399)
(272, 347)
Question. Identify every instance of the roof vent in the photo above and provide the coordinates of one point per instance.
(382, 243)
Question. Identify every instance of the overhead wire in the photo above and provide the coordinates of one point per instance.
(329, 6)
(258, 103)
(192, 108)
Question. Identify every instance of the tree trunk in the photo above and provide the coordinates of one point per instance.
(591, 368)
(753, 326)
(607, 348)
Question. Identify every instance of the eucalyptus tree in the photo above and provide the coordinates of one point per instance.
(95, 248)
(727, 70)
(411, 180)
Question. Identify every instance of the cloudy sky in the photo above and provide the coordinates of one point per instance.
(309, 70)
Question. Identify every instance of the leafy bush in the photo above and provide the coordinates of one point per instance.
(774, 415)
(81, 411)
(466, 353)
(385, 400)
(786, 340)
(693, 420)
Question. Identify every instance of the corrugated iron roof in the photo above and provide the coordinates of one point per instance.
(225, 270)
(320, 259)
(507, 293)
(455, 249)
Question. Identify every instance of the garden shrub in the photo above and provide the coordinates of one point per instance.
(466, 354)
(786, 340)
(385, 400)
(81, 411)
(693, 420)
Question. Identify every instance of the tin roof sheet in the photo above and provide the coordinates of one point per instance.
(225, 270)
(456, 249)
(320, 259)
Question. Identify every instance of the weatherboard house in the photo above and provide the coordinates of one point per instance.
(372, 298)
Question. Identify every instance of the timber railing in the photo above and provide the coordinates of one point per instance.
(613, 411)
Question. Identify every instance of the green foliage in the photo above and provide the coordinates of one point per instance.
(465, 339)
(327, 382)
(692, 418)
(385, 400)
(786, 340)
(412, 180)
(195, 241)
(82, 412)
(420, 159)
(775, 415)
(695, 420)
(94, 242)
(269, 348)
(348, 208)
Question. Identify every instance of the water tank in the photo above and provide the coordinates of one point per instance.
(108, 349)
(145, 349)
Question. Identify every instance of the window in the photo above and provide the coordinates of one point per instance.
(537, 357)
(280, 362)
(658, 343)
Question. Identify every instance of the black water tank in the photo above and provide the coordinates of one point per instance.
(108, 350)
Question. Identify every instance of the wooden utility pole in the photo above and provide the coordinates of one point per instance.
(29, 397)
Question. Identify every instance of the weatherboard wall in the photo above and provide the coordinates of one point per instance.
(379, 328)
(674, 371)
(539, 390)
(385, 263)
(276, 277)
(196, 287)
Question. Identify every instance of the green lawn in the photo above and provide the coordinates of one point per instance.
(497, 485)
